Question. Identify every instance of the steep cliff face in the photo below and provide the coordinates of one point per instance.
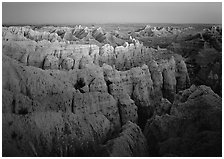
(203, 52)
(145, 83)
(29, 91)
(127, 109)
(168, 75)
(97, 99)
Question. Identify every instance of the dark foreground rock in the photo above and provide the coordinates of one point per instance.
(130, 143)
(193, 128)
(53, 134)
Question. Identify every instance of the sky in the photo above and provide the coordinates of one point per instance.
(111, 12)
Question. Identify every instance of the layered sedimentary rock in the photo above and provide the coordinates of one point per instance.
(135, 83)
(27, 33)
(145, 84)
(98, 34)
(92, 88)
(32, 94)
(37, 85)
(34, 54)
(123, 58)
(80, 33)
(29, 91)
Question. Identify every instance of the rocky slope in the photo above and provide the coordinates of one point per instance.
(193, 127)
(62, 97)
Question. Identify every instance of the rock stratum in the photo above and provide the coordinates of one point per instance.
(84, 91)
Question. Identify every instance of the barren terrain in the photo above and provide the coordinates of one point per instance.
(112, 90)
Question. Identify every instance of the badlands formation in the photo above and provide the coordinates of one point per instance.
(87, 91)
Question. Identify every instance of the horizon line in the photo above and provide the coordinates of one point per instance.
(106, 23)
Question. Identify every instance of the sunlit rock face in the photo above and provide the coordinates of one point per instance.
(99, 34)
(87, 91)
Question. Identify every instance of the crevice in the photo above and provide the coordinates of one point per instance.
(73, 66)
(80, 83)
(43, 63)
(13, 106)
(108, 83)
(144, 113)
(27, 60)
(14, 135)
(72, 109)
(119, 111)
(23, 111)
(91, 82)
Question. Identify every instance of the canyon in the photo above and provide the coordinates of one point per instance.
(90, 91)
